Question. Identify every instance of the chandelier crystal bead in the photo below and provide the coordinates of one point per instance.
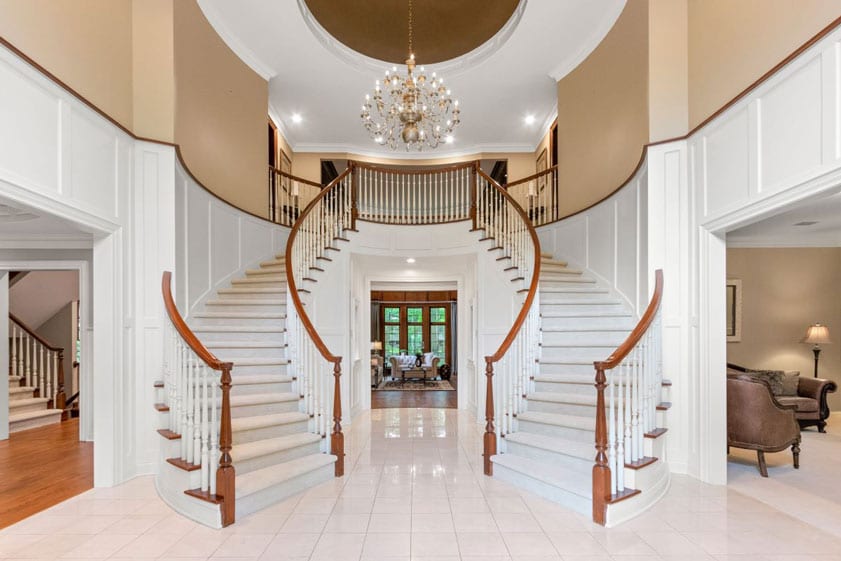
(414, 109)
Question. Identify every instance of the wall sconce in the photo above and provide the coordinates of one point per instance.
(376, 346)
(817, 335)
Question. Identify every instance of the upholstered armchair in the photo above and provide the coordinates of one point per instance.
(757, 421)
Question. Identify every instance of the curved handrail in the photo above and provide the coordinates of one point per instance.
(290, 273)
(34, 335)
(531, 177)
(524, 311)
(295, 177)
(183, 329)
(644, 323)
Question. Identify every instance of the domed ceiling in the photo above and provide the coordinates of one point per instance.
(442, 30)
(501, 59)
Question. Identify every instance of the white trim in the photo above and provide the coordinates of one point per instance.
(46, 241)
(772, 243)
(585, 49)
(245, 54)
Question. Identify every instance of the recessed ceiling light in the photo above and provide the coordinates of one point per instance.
(806, 223)
(529, 120)
(410, 260)
(449, 139)
(296, 118)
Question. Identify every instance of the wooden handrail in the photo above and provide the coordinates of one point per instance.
(644, 323)
(531, 177)
(31, 333)
(337, 447)
(524, 311)
(184, 331)
(395, 171)
(295, 178)
(489, 439)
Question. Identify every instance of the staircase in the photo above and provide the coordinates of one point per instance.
(552, 450)
(26, 409)
(276, 452)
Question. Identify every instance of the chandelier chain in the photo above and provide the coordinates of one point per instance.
(410, 27)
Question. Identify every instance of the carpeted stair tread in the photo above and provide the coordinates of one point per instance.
(559, 397)
(260, 362)
(581, 450)
(247, 302)
(587, 314)
(261, 399)
(251, 379)
(27, 415)
(244, 344)
(569, 421)
(585, 379)
(237, 329)
(263, 421)
(255, 481)
(569, 480)
(13, 404)
(249, 450)
(237, 315)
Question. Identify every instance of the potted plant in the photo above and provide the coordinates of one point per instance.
(418, 360)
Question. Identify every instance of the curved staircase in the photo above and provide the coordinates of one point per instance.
(552, 451)
(275, 451)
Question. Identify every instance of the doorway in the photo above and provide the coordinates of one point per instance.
(414, 346)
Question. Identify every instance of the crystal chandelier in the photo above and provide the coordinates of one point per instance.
(414, 108)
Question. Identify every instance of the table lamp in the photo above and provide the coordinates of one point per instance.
(817, 335)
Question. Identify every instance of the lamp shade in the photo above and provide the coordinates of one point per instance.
(817, 335)
(377, 345)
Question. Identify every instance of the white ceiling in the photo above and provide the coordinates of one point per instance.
(326, 83)
(780, 230)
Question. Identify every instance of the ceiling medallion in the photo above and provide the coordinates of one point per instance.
(413, 109)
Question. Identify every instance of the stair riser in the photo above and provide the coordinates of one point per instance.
(275, 337)
(549, 306)
(232, 354)
(577, 435)
(279, 369)
(180, 479)
(273, 431)
(267, 497)
(274, 263)
(548, 456)
(276, 323)
(562, 408)
(551, 297)
(265, 271)
(584, 338)
(563, 387)
(572, 501)
(14, 396)
(562, 281)
(245, 466)
(234, 306)
(591, 322)
(263, 409)
(15, 407)
(260, 281)
(15, 426)
(547, 368)
(248, 294)
(575, 353)
(259, 389)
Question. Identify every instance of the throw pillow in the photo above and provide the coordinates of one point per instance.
(773, 377)
(427, 359)
(791, 380)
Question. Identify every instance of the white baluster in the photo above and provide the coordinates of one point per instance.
(205, 459)
(611, 431)
(42, 379)
(214, 430)
(27, 344)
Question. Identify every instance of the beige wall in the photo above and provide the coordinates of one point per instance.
(731, 44)
(785, 291)
(668, 87)
(221, 109)
(603, 113)
(307, 165)
(92, 55)
(153, 68)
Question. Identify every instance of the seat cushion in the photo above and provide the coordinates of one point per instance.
(803, 404)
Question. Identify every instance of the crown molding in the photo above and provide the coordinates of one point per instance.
(245, 54)
(45, 241)
(586, 47)
(397, 155)
(782, 243)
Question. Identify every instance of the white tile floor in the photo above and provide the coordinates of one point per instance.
(415, 490)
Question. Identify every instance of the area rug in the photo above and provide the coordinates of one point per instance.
(415, 385)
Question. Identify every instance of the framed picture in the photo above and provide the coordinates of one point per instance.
(541, 165)
(734, 310)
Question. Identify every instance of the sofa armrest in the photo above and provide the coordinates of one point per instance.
(817, 388)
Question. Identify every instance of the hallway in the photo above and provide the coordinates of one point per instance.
(415, 490)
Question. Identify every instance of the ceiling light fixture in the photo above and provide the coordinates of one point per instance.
(415, 109)
(296, 118)
(529, 119)
(410, 260)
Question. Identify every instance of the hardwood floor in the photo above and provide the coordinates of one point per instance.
(42, 467)
(443, 399)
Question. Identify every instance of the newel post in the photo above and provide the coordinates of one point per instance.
(337, 438)
(225, 474)
(490, 434)
(601, 469)
(60, 394)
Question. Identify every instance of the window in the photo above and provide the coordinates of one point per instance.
(438, 331)
(416, 328)
(391, 328)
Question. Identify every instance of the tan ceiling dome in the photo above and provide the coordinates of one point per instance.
(442, 29)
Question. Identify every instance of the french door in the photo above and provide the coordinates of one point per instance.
(416, 328)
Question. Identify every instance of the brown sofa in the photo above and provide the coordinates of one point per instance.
(810, 402)
(757, 421)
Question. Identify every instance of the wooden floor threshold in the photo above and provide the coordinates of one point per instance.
(641, 463)
(162, 407)
(205, 496)
(622, 495)
(168, 434)
(183, 464)
(656, 433)
(664, 406)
